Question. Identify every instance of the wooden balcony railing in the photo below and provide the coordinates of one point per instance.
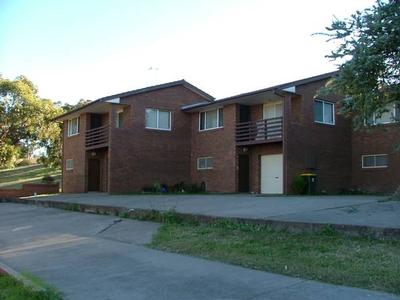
(97, 137)
(262, 131)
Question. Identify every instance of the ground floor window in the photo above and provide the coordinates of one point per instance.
(69, 164)
(204, 163)
(374, 161)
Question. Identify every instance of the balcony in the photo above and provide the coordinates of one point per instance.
(259, 132)
(97, 137)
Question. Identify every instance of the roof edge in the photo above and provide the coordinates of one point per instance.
(275, 87)
(182, 82)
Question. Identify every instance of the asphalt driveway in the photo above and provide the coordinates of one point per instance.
(352, 210)
(102, 257)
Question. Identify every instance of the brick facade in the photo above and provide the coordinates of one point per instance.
(135, 157)
(382, 139)
(220, 145)
(317, 148)
(140, 157)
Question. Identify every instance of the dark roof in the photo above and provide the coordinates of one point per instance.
(275, 87)
(146, 90)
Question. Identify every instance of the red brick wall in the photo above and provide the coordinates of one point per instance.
(29, 189)
(309, 144)
(379, 140)
(138, 156)
(74, 181)
(219, 144)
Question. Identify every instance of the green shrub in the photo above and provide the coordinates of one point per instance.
(157, 187)
(299, 185)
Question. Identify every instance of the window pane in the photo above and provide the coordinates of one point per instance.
(151, 118)
(201, 163)
(221, 117)
(328, 113)
(209, 162)
(384, 118)
(269, 111)
(368, 161)
(278, 110)
(69, 164)
(202, 121)
(381, 161)
(120, 119)
(73, 126)
(211, 119)
(318, 111)
(164, 120)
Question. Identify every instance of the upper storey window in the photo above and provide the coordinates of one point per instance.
(324, 112)
(211, 119)
(390, 115)
(73, 126)
(158, 119)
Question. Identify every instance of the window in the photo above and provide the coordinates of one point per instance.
(69, 164)
(73, 126)
(204, 163)
(391, 115)
(158, 119)
(273, 110)
(211, 119)
(120, 119)
(374, 161)
(324, 112)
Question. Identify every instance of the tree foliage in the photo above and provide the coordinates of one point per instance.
(368, 56)
(25, 120)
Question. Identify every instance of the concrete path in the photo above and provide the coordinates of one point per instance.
(349, 210)
(101, 257)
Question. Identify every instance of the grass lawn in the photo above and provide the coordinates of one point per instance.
(14, 178)
(325, 256)
(12, 289)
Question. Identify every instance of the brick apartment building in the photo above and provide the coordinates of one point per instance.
(253, 142)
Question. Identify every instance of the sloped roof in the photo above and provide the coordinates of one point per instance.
(182, 82)
(272, 88)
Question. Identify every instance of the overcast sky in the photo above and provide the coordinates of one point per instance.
(77, 49)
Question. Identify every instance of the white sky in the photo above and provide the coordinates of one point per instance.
(72, 50)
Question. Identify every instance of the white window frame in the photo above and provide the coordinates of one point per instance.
(70, 127)
(206, 168)
(205, 119)
(71, 160)
(158, 119)
(323, 112)
(393, 112)
(375, 166)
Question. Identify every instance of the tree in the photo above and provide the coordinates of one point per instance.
(25, 120)
(368, 57)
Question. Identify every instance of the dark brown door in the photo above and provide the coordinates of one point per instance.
(244, 174)
(95, 120)
(94, 175)
(244, 113)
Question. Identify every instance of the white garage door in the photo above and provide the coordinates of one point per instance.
(272, 174)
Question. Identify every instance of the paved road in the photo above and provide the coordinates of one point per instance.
(352, 210)
(100, 257)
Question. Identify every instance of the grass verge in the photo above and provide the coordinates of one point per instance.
(14, 178)
(12, 289)
(326, 256)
